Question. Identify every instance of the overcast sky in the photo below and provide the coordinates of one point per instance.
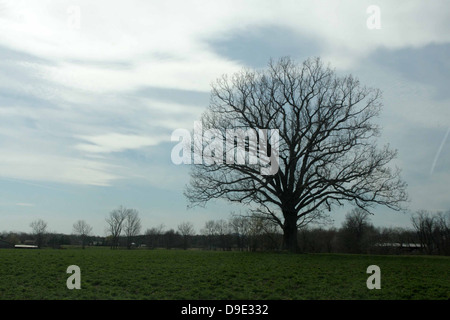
(90, 92)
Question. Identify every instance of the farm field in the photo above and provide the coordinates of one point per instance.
(215, 275)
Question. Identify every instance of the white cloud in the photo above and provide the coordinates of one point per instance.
(39, 167)
(142, 32)
(165, 44)
(25, 204)
(186, 74)
(116, 142)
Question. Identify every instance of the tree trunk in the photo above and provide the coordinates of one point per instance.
(290, 231)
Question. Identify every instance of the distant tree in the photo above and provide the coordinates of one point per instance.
(255, 231)
(391, 240)
(14, 237)
(115, 224)
(328, 237)
(170, 238)
(209, 232)
(186, 230)
(222, 232)
(132, 225)
(11, 237)
(269, 233)
(356, 230)
(39, 231)
(240, 227)
(433, 230)
(423, 223)
(316, 240)
(82, 229)
(442, 232)
(56, 240)
(153, 236)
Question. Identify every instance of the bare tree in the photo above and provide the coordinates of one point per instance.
(39, 230)
(326, 154)
(186, 229)
(442, 232)
(222, 232)
(423, 223)
(132, 225)
(240, 226)
(433, 230)
(153, 236)
(82, 229)
(115, 224)
(209, 232)
(356, 230)
(170, 238)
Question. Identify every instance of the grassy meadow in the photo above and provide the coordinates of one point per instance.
(212, 275)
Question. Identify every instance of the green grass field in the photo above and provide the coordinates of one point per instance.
(210, 275)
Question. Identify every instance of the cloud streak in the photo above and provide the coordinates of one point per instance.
(439, 151)
(116, 142)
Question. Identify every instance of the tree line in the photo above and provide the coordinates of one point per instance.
(429, 234)
(318, 129)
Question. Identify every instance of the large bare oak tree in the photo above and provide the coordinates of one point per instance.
(327, 151)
